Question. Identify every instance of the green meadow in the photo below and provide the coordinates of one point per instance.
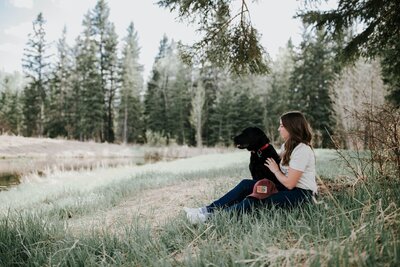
(132, 216)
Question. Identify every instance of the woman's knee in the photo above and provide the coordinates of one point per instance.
(245, 183)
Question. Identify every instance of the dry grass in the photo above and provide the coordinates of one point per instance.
(27, 147)
(153, 207)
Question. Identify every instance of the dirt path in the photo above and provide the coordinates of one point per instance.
(152, 207)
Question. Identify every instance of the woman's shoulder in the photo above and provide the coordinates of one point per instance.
(302, 147)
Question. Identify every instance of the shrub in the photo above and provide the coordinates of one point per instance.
(376, 142)
(156, 138)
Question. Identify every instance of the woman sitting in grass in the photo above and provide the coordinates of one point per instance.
(296, 172)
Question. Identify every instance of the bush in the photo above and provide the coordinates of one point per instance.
(156, 138)
(377, 142)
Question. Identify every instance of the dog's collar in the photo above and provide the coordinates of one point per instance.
(259, 152)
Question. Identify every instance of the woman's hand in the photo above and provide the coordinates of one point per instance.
(271, 165)
(290, 181)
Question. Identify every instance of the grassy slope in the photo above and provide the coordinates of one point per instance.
(356, 226)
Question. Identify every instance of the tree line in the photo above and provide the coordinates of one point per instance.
(92, 91)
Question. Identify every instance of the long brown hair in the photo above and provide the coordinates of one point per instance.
(299, 132)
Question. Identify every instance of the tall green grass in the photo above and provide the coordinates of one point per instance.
(357, 226)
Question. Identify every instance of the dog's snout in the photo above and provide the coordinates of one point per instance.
(236, 138)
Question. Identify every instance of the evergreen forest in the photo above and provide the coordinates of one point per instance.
(95, 89)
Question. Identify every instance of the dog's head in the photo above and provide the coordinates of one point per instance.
(251, 138)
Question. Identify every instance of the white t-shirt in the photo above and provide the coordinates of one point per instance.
(302, 159)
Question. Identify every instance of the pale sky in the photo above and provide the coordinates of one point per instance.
(273, 18)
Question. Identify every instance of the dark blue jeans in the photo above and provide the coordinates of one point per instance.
(236, 200)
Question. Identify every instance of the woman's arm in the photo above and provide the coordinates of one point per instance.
(289, 181)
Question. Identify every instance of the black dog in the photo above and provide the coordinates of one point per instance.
(256, 141)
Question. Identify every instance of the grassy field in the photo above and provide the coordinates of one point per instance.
(132, 216)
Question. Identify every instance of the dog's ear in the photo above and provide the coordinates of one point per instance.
(256, 137)
(263, 138)
(267, 139)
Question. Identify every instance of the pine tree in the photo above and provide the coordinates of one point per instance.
(167, 100)
(130, 123)
(156, 99)
(180, 98)
(212, 79)
(276, 96)
(10, 109)
(105, 37)
(391, 71)
(238, 105)
(247, 108)
(222, 120)
(106, 40)
(89, 108)
(35, 65)
(154, 106)
(311, 83)
(229, 39)
(75, 97)
(111, 81)
(14, 113)
(60, 88)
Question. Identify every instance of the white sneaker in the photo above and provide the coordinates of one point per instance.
(197, 217)
(195, 210)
